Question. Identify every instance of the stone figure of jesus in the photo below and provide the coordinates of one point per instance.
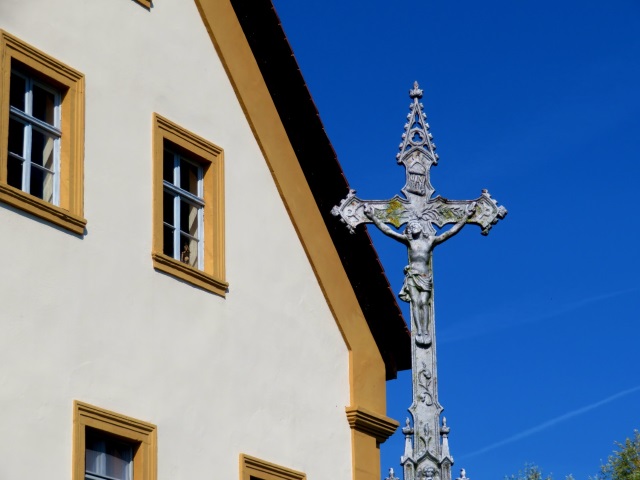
(417, 281)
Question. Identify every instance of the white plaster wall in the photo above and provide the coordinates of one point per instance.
(263, 372)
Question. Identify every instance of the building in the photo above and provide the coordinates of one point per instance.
(177, 300)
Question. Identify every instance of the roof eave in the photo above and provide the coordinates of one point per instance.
(326, 179)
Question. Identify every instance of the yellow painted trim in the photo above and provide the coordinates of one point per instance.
(378, 426)
(366, 367)
(254, 467)
(144, 435)
(212, 278)
(189, 274)
(145, 3)
(368, 431)
(70, 214)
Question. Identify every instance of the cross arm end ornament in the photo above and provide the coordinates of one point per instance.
(441, 211)
(351, 211)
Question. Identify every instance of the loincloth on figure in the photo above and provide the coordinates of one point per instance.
(420, 281)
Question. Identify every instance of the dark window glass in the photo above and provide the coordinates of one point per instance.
(167, 166)
(43, 104)
(41, 184)
(167, 244)
(188, 177)
(16, 137)
(14, 172)
(167, 208)
(16, 91)
(188, 218)
(37, 180)
(106, 456)
(42, 146)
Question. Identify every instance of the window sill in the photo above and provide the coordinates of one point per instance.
(191, 275)
(41, 209)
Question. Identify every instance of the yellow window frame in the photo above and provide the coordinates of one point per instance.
(141, 435)
(14, 53)
(252, 467)
(211, 158)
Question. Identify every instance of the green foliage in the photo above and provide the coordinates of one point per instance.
(530, 472)
(624, 464)
(534, 472)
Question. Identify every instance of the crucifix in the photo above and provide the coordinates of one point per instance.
(420, 212)
(426, 446)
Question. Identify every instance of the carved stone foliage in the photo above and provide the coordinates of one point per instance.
(424, 383)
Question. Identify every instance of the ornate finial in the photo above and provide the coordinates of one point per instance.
(416, 92)
(407, 430)
(417, 150)
(463, 475)
(391, 475)
(444, 430)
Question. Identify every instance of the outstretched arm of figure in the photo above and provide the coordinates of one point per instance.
(471, 210)
(384, 228)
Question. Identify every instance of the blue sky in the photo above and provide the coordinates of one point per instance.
(538, 101)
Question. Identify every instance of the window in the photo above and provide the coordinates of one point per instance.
(107, 457)
(188, 191)
(33, 162)
(110, 446)
(252, 468)
(182, 208)
(41, 135)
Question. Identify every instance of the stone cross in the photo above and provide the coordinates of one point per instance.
(426, 453)
(420, 212)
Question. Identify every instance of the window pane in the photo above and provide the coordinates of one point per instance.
(93, 460)
(189, 218)
(167, 244)
(167, 165)
(42, 149)
(189, 251)
(189, 177)
(107, 456)
(167, 208)
(41, 184)
(43, 104)
(16, 137)
(118, 458)
(14, 172)
(16, 91)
